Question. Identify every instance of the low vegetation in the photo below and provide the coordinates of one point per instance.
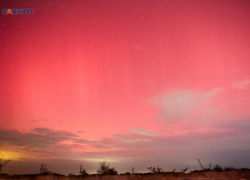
(105, 169)
(105, 172)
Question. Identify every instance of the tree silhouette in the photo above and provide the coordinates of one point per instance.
(104, 169)
(3, 162)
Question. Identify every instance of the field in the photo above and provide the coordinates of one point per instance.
(199, 175)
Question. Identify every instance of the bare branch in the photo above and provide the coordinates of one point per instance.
(5, 163)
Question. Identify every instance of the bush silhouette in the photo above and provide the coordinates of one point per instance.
(229, 168)
(104, 169)
(83, 172)
(155, 170)
(217, 168)
(184, 170)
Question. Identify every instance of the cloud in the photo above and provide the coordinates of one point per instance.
(48, 142)
(141, 131)
(39, 137)
(241, 84)
(50, 132)
(240, 126)
(43, 143)
(178, 104)
(191, 140)
(133, 139)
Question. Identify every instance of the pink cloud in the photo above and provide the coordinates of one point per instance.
(178, 105)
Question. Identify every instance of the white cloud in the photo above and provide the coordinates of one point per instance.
(127, 139)
(142, 132)
(177, 104)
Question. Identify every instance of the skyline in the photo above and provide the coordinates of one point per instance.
(135, 83)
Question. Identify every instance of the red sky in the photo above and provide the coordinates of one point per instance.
(135, 83)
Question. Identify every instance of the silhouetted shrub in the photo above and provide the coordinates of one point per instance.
(111, 171)
(104, 169)
(217, 168)
(184, 170)
(49, 172)
(70, 174)
(229, 168)
(83, 172)
(155, 170)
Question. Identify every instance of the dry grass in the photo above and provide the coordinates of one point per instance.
(230, 175)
